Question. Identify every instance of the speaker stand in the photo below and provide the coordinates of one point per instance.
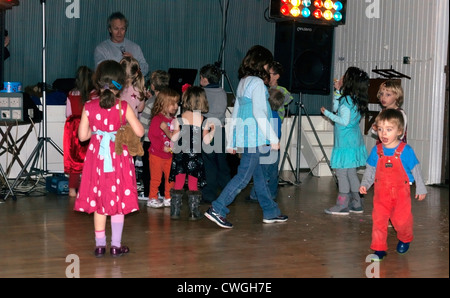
(298, 119)
(221, 61)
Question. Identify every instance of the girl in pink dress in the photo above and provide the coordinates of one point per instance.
(108, 182)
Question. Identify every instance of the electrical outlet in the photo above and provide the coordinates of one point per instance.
(406, 60)
(5, 114)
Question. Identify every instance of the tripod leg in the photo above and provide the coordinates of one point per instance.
(10, 190)
(55, 146)
(286, 154)
(33, 157)
(320, 143)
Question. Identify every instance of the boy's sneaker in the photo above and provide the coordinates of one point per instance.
(356, 210)
(155, 203)
(166, 202)
(336, 210)
(217, 218)
(402, 247)
(378, 255)
(279, 218)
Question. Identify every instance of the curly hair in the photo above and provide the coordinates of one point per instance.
(356, 85)
(135, 78)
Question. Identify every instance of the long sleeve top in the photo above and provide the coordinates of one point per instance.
(108, 50)
(145, 116)
(158, 139)
(250, 123)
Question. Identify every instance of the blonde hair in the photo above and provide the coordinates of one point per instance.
(194, 99)
(135, 78)
(165, 98)
(394, 87)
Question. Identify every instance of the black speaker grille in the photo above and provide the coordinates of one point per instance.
(305, 51)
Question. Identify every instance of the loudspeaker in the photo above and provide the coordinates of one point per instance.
(305, 51)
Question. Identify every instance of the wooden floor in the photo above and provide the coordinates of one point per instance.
(40, 236)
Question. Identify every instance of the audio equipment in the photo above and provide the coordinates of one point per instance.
(305, 51)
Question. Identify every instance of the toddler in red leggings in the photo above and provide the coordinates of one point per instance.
(392, 166)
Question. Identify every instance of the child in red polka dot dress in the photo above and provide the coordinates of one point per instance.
(108, 182)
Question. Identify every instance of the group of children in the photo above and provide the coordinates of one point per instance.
(174, 147)
(391, 166)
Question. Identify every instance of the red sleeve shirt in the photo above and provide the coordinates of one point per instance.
(157, 137)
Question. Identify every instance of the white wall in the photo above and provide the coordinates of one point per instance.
(55, 127)
(378, 34)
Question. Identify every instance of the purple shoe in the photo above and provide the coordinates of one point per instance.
(118, 251)
(100, 251)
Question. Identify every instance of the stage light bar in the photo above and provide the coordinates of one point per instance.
(8, 4)
(326, 12)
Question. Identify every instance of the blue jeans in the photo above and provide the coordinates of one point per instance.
(249, 167)
(270, 169)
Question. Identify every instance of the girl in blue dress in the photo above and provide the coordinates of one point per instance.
(349, 151)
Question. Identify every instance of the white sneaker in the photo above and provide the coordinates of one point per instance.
(138, 162)
(155, 203)
(142, 198)
(166, 202)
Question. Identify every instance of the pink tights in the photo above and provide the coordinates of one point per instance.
(180, 180)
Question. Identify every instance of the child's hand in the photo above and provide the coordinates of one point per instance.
(421, 197)
(322, 109)
(166, 129)
(337, 84)
(164, 126)
(231, 151)
(275, 146)
(363, 190)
